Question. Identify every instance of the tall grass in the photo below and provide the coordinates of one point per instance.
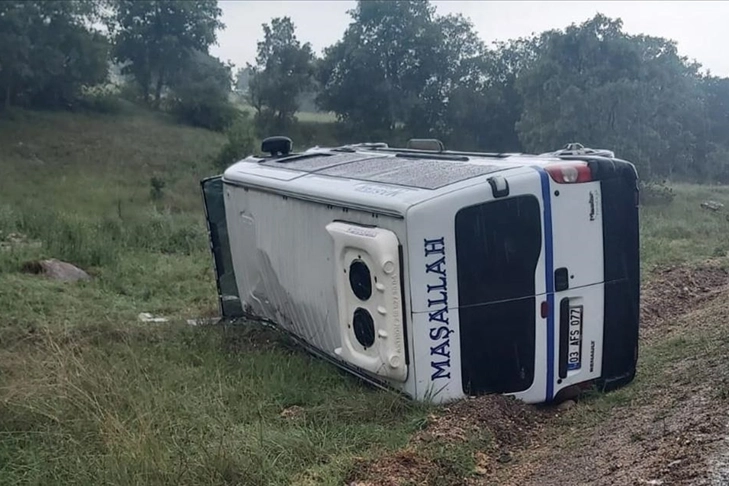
(682, 231)
(176, 406)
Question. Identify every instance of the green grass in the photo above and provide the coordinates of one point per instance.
(682, 231)
(90, 395)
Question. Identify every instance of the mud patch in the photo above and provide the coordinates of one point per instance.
(677, 290)
(404, 467)
(663, 443)
(719, 465)
(496, 426)
(506, 421)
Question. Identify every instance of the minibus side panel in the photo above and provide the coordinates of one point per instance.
(290, 278)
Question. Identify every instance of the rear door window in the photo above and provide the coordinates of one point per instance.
(498, 244)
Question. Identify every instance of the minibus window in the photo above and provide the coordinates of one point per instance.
(498, 245)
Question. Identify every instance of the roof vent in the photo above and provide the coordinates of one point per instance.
(429, 144)
(277, 145)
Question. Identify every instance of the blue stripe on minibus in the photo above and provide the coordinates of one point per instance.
(549, 277)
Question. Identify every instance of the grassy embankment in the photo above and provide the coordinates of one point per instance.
(90, 395)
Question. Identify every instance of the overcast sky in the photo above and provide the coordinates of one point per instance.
(700, 28)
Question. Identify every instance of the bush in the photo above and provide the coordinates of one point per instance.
(317, 133)
(101, 98)
(655, 193)
(130, 91)
(241, 143)
(717, 165)
(213, 114)
(199, 93)
(157, 185)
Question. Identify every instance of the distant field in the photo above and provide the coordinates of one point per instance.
(91, 395)
(303, 116)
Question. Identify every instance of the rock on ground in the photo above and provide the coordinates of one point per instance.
(56, 270)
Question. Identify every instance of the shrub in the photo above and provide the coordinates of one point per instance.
(241, 143)
(655, 193)
(213, 114)
(199, 93)
(157, 185)
(103, 98)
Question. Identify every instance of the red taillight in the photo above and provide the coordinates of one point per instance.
(569, 172)
(545, 309)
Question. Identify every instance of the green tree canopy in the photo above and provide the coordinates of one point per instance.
(200, 90)
(283, 71)
(152, 38)
(48, 52)
(397, 65)
(595, 84)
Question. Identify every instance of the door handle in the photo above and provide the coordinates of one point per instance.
(561, 279)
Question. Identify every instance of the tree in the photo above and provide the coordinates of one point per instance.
(397, 66)
(715, 91)
(283, 71)
(200, 90)
(377, 72)
(482, 113)
(242, 82)
(48, 52)
(597, 85)
(152, 38)
(457, 66)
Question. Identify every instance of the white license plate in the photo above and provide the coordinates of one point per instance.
(574, 350)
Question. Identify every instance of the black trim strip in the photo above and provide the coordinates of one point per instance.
(436, 156)
(212, 189)
(621, 241)
(404, 308)
(564, 326)
(203, 183)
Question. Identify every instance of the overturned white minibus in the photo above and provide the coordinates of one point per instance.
(437, 273)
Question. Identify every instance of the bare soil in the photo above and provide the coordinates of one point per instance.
(678, 290)
(668, 429)
(407, 466)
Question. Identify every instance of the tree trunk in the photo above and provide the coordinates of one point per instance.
(8, 93)
(158, 90)
(145, 90)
